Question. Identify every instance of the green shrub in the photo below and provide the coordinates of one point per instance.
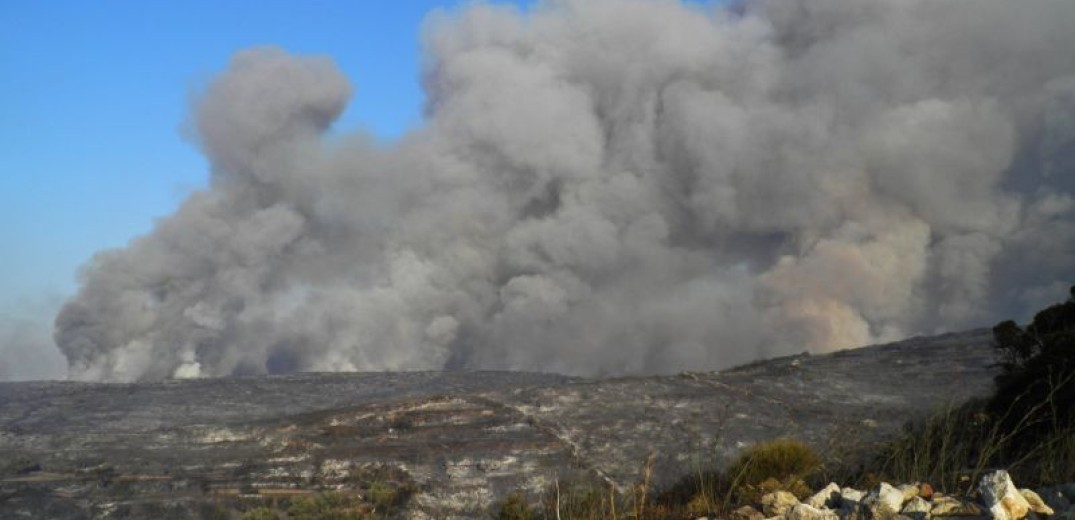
(328, 506)
(778, 459)
(385, 496)
(261, 513)
(387, 488)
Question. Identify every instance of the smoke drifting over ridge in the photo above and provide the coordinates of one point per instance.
(614, 186)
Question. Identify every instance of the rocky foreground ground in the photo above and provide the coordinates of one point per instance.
(457, 441)
(996, 497)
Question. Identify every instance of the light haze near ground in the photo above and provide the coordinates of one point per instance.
(609, 187)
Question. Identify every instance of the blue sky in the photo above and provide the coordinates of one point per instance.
(93, 96)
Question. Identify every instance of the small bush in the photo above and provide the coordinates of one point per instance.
(768, 466)
(261, 513)
(514, 507)
(699, 494)
(385, 497)
(328, 506)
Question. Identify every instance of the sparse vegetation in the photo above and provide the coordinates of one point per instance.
(778, 464)
(385, 497)
(387, 489)
(329, 506)
(781, 464)
(768, 466)
(372, 492)
(1027, 426)
(514, 507)
(261, 513)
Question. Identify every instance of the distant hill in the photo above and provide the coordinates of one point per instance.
(454, 442)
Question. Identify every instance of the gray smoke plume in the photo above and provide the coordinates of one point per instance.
(611, 187)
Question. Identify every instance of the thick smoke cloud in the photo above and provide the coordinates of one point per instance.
(614, 186)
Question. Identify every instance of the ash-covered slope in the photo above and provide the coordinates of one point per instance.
(457, 439)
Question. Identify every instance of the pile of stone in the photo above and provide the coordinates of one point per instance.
(997, 498)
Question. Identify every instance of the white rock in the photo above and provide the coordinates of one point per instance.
(1001, 497)
(778, 503)
(1037, 505)
(747, 513)
(949, 506)
(917, 508)
(850, 503)
(909, 491)
(808, 512)
(851, 496)
(828, 497)
(884, 499)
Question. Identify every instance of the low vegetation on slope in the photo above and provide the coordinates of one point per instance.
(1027, 426)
